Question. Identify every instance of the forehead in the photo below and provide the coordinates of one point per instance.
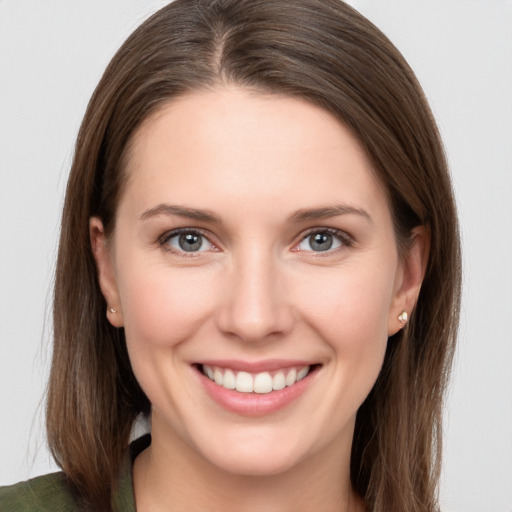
(236, 143)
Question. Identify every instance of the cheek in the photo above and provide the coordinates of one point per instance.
(349, 309)
(163, 305)
(353, 301)
(351, 316)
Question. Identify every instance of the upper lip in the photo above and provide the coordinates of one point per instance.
(267, 365)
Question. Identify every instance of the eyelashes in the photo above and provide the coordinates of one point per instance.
(186, 242)
(191, 242)
(323, 240)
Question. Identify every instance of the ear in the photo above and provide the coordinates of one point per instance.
(409, 278)
(105, 268)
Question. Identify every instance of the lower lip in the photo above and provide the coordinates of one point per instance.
(255, 404)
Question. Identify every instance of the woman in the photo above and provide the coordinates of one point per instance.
(259, 202)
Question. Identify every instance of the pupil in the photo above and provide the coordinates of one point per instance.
(190, 242)
(321, 241)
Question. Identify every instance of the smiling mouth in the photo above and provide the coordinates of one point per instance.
(262, 382)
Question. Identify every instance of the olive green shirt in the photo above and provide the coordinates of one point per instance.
(51, 493)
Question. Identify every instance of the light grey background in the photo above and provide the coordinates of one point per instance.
(52, 53)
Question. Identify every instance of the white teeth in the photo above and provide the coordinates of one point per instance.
(263, 382)
(278, 382)
(302, 373)
(244, 382)
(291, 377)
(229, 380)
(218, 376)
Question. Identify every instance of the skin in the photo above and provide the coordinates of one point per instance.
(255, 291)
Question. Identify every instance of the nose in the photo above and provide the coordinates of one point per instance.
(255, 307)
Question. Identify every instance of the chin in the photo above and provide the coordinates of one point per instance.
(254, 451)
(254, 464)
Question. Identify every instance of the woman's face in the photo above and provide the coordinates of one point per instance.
(254, 244)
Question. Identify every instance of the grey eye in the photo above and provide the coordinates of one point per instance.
(189, 241)
(320, 241)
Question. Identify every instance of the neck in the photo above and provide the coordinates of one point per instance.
(170, 475)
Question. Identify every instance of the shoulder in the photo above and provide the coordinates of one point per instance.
(51, 493)
(41, 494)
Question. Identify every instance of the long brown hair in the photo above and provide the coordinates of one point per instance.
(327, 53)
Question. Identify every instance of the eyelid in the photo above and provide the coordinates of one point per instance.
(164, 239)
(345, 239)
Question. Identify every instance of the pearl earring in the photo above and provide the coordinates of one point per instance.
(402, 317)
(112, 310)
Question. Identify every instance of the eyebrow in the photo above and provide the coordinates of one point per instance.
(296, 218)
(327, 212)
(181, 211)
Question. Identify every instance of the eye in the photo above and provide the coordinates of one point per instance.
(322, 240)
(188, 241)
